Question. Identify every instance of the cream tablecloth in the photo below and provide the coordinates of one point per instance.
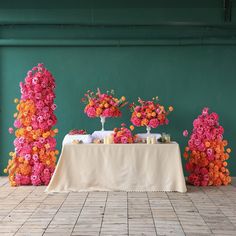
(118, 167)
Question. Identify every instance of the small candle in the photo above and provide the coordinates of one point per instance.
(105, 140)
(153, 140)
(168, 138)
(148, 140)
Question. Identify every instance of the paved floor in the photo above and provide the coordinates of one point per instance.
(200, 211)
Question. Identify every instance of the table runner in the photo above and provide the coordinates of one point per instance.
(118, 167)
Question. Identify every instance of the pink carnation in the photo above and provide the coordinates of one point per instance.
(185, 133)
(153, 123)
(136, 121)
(91, 112)
(10, 130)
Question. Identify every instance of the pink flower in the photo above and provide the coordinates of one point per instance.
(91, 112)
(137, 108)
(35, 157)
(153, 123)
(35, 179)
(136, 121)
(166, 121)
(205, 111)
(10, 130)
(124, 139)
(35, 80)
(185, 133)
(27, 157)
(107, 113)
(54, 106)
(38, 96)
(209, 151)
(17, 123)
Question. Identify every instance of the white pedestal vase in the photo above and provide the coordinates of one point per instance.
(103, 120)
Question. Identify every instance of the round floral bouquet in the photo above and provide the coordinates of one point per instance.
(123, 135)
(149, 113)
(206, 151)
(103, 104)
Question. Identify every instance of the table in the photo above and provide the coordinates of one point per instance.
(118, 167)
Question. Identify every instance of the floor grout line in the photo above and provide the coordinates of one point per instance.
(127, 196)
(176, 213)
(80, 212)
(55, 212)
(151, 213)
(103, 213)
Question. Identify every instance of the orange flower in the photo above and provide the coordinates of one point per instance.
(123, 98)
(144, 122)
(228, 150)
(207, 144)
(171, 108)
(153, 114)
(131, 127)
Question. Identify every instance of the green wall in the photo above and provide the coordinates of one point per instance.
(189, 65)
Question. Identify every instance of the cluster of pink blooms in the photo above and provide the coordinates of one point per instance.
(103, 104)
(123, 135)
(206, 151)
(34, 158)
(149, 113)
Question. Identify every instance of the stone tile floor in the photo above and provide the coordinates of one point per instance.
(29, 211)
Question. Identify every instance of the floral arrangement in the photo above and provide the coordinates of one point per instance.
(34, 158)
(123, 135)
(77, 131)
(206, 152)
(149, 113)
(103, 104)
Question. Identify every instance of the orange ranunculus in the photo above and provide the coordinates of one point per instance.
(228, 150)
(123, 98)
(207, 144)
(144, 121)
(225, 164)
(225, 143)
(171, 108)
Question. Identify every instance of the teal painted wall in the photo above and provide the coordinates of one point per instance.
(188, 66)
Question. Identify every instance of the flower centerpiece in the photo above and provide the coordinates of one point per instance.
(103, 105)
(149, 113)
(206, 152)
(124, 135)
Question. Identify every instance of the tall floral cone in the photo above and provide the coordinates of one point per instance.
(34, 157)
(206, 152)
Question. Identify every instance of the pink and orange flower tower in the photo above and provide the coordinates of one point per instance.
(206, 152)
(34, 158)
